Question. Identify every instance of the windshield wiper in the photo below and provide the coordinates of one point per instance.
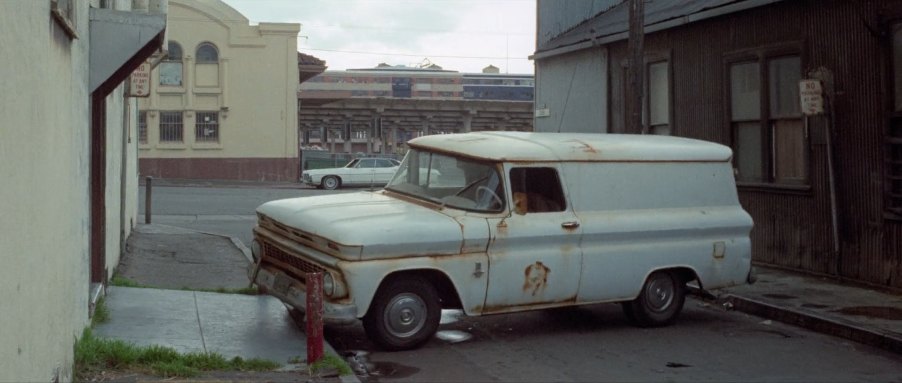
(471, 184)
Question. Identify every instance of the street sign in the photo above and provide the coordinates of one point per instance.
(140, 81)
(811, 94)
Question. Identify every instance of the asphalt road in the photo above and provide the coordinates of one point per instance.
(228, 210)
(593, 343)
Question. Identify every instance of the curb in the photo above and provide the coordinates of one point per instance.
(298, 317)
(831, 326)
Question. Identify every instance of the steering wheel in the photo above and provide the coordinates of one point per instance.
(495, 197)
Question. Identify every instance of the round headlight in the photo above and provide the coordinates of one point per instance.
(256, 250)
(328, 284)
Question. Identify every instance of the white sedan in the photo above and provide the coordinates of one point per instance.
(360, 171)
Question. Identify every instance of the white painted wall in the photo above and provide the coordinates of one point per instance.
(44, 165)
(45, 198)
(121, 213)
(573, 87)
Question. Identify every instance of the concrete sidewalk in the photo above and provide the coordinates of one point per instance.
(177, 306)
(865, 315)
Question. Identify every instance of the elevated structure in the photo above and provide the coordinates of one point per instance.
(378, 109)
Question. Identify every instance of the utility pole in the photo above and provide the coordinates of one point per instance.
(636, 70)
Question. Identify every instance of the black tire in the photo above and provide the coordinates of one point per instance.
(330, 182)
(660, 301)
(405, 313)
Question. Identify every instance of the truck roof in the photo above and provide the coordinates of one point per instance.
(583, 147)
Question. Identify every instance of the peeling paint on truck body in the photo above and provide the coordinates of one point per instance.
(552, 220)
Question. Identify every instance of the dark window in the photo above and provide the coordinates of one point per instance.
(893, 157)
(206, 127)
(171, 127)
(770, 142)
(384, 163)
(536, 190)
(171, 67)
(207, 53)
(142, 127)
(366, 163)
(657, 106)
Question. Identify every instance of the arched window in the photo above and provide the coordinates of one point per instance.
(207, 68)
(175, 52)
(207, 53)
(171, 68)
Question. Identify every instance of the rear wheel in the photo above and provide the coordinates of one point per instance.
(404, 314)
(331, 183)
(660, 301)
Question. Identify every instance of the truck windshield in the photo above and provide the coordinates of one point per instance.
(450, 181)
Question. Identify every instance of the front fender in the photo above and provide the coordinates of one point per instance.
(468, 274)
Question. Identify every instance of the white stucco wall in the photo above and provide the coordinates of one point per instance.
(574, 89)
(44, 165)
(258, 79)
(121, 213)
(45, 199)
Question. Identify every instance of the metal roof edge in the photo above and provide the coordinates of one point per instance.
(664, 25)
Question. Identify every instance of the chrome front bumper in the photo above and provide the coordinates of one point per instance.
(291, 291)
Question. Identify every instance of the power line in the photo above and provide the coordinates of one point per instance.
(383, 28)
(416, 55)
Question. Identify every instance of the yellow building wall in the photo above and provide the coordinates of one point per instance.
(252, 87)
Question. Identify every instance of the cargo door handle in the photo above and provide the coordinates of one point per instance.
(570, 225)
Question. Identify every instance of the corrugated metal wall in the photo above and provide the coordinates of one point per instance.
(793, 228)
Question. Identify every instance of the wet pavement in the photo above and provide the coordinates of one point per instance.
(866, 315)
(260, 326)
(194, 321)
(175, 308)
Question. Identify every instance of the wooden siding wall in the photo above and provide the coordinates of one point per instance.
(792, 228)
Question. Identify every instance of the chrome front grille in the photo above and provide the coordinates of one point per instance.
(297, 266)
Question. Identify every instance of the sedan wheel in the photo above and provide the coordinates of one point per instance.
(331, 183)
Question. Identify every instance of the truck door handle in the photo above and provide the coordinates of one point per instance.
(570, 225)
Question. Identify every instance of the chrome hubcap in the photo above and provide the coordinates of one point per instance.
(659, 293)
(405, 315)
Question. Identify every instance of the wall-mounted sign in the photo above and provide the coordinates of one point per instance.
(543, 112)
(812, 97)
(140, 81)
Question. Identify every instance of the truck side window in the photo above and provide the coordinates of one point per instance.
(536, 190)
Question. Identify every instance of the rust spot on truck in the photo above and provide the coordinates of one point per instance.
(536, 278)
(586, 147)
(509, 308)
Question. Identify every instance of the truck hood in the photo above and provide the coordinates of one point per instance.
(380, 226)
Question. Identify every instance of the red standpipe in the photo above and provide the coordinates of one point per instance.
(314, 317)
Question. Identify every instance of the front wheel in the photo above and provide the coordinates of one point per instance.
(404, 314)
(331, 183)
(660, 301)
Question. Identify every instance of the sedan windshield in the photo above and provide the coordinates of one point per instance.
(450, 181)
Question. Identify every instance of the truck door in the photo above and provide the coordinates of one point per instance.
(534, 253)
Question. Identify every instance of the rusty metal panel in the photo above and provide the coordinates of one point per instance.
(793, 227)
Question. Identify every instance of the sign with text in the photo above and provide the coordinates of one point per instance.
(140, 81)
(812, 97)
(543, 112)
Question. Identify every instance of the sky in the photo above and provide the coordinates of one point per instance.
(461, 35)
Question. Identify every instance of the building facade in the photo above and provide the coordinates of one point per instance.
(376, 110)
(222, 105)
(68, 157)
(824, 188)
